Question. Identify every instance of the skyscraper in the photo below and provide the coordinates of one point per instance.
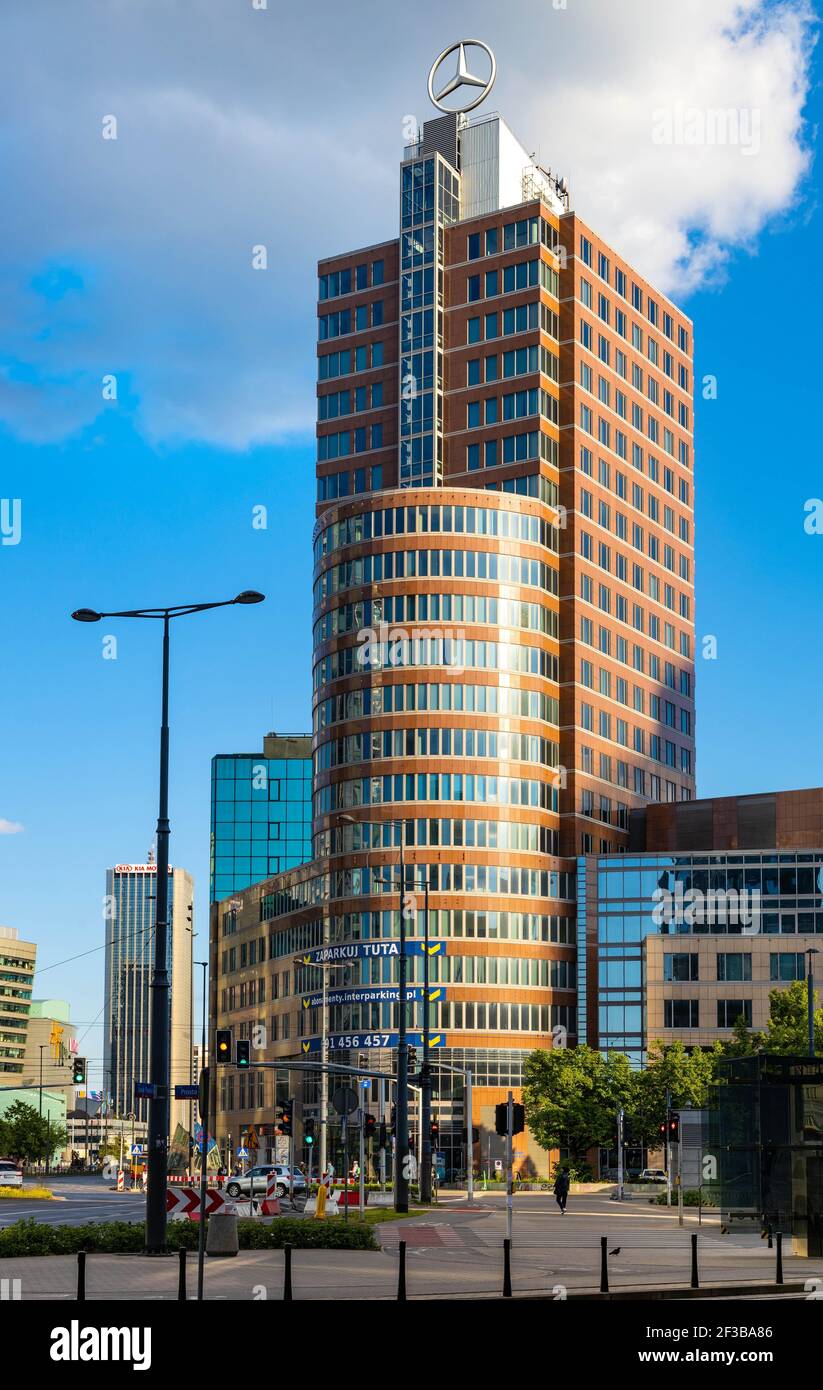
(131, 914)
(260, 812)
(503, 657)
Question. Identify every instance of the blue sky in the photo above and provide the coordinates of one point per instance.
(132, 258)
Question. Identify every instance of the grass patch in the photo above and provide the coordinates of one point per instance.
(17, 1194)
(30, 1237)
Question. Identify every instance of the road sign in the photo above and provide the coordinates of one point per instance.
(145, 1090)
(138, 1148)
(368, 950)
(186, 1092)
(242, 1152)
(337, 1041)
(377, 994)
(344, 1100)
(185, 1201)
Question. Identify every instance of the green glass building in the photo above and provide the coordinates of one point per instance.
(260, 812)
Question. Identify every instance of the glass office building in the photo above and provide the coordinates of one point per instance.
(260, 812)
(680, 946)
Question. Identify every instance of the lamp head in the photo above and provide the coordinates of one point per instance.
(250, 596)
(86, 615)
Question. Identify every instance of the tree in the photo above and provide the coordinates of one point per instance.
(685, 1076)
(25, 1134)
(572, 1096)
(787, 1030)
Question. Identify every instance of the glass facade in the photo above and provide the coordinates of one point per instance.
(260, 818)
(625, 899)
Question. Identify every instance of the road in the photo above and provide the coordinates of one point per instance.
(81, 1199)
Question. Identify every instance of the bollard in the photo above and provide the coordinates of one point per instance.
(401, 1272)
(604, 1264)
(507, 1268)
(778, 1278)
(81, 1276)
(770, 1242)
(695, 1279)
(181, 1282)
(287, 1289)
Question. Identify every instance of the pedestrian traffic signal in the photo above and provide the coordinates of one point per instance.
(308, 1132)
(78, 1074)
(242, 1055)
(434, 1131)
(674, 1129)
(662, 1129)
(223, 1044)
(285, 1118)
(518, 1119)
(369, 1126)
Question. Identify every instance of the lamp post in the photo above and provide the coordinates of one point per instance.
(159, 1019)
(810, 951)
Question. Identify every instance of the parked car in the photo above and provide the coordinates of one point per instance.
(653, 1175)
(11, 1175)
(241, 1187)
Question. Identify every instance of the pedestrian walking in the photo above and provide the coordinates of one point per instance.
(561, 1190)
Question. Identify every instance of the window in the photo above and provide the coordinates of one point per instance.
(787, 965)
(730, 1010)
(734, 965)
(679, 966)
(681, 1013)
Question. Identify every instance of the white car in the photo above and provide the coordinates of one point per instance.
(653, 1175)
(10, 1174)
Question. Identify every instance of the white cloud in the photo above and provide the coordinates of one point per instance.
(10, 827)
(284, 127)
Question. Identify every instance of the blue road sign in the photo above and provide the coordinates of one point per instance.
(242, 1153)
(146, 1090)
(138, 1149)
(368, 950)
(373, 994)
(337, 1041)
(186, 1092)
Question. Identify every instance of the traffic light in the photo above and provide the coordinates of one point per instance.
(412, 1056)
(434, 1131)
(674, 1129)
(223, 1044)
(242, 1055)
(369, 1126)
(285, 1118)
(662, 1129)
(501, 1118)
(78, 1074)
(518, 1118)
(308, 1132)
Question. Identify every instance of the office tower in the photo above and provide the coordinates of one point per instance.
(260, 812)
(16, 977)
(51, 1046)
(715, 903)
(503, 655)
(131, 905)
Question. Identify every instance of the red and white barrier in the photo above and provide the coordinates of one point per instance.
(185, 1202)
(270, 1205)
(121, 1180)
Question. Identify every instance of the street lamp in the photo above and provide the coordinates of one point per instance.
(159, 1023)
(810, 951)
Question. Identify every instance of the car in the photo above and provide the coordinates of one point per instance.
(10, 1174)
(653, 1175)
(241, 1186)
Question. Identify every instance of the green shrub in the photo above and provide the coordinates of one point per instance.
(691, 1198)
(31, 1237)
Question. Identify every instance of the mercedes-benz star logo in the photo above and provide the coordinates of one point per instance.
(463, 77)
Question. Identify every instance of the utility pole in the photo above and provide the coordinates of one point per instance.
(425, 1180)
(509, 1189)
(401, 1169)
(667, 1150)
(620, 1115)
(470, 1137)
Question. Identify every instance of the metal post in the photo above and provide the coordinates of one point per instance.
(159, 1034)
(604, 1264)
(181, 1281)
(810, 999)
(667, 1151)
(401, 1173)
(382, 1135)
(287, 1288)
(345, 1128)
(778, 1277)
(401, 1272)
(469, 1133)
(509, 1195)
(425, 1181)
(291, 1162)
(204, 1124)
(620, 1115)
(507, 1268)
(362, 1175)
(679, 1178)
(324, 1080)
(695, 1281)
(81, 1275)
